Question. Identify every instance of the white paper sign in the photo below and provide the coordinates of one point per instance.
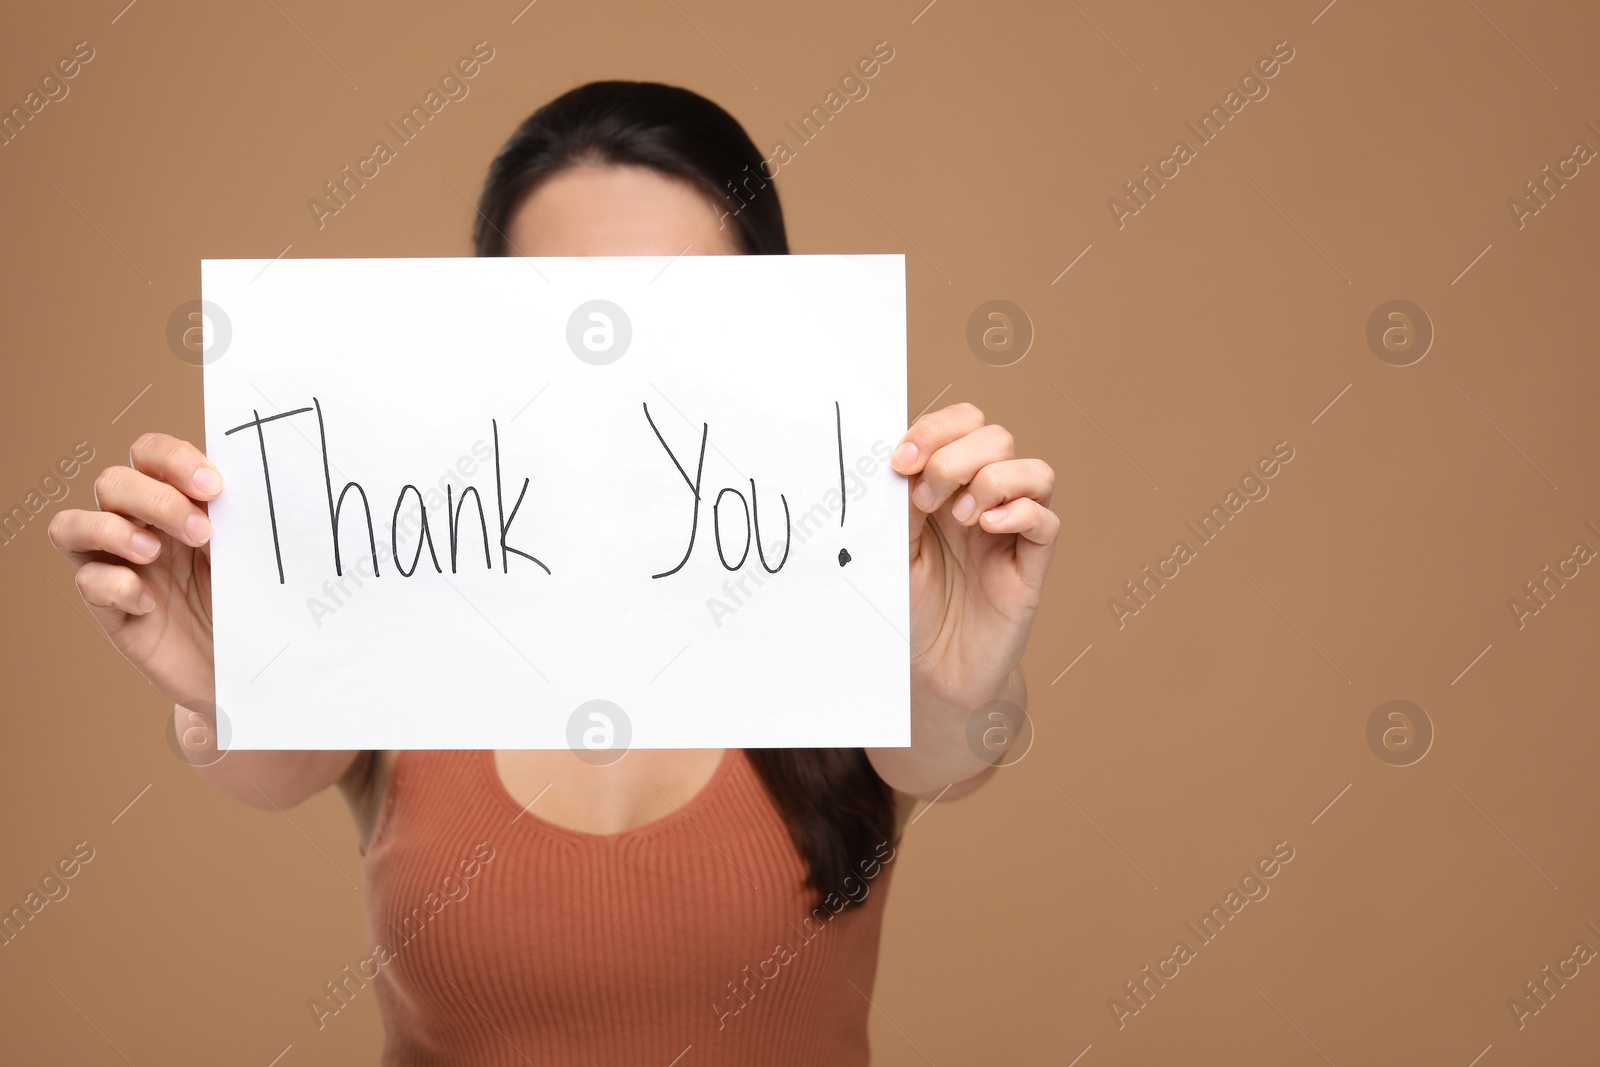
(659, 511)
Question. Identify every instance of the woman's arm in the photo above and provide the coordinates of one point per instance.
(144, 569)
(981, 538)
(942, 761)
(272, 781)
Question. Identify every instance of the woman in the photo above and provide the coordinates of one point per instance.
(676, 906)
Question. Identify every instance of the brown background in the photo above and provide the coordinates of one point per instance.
(1223, 318)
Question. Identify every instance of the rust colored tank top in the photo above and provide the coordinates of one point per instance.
(502, 938)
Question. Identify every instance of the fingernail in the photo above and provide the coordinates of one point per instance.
(995, 514)
(904, 455)
(145, 544)
(964, 508)
(146, 601)
(922, 496)
(198, 529)
(207, 480)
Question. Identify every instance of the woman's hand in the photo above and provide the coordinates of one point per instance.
(144, 568)
(982, 534)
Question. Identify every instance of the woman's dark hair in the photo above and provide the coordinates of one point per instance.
(839, 813)
(641, 124)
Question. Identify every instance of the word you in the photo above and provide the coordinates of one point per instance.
(1541, 994)
(1140, 591)
(741, 994)
(812, 123)
(53, 889)
(810, 522)
(1551, 582)
(1140, 192)
(750, 507)
(1540, 191)
(337, 592)
(55, 490)
(453, 888)
(1254, 889)
(452, 84)
(54, 89)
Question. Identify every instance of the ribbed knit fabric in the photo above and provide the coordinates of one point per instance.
(502, 938)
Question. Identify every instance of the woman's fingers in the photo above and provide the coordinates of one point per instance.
(932, 432)
(176, 462)
(955, 464)
(158, 490)
(144, 499)
(1036, 527)
(108, 587)
(81, 533)
(999, 482)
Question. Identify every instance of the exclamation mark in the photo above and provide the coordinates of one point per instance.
(838, 423)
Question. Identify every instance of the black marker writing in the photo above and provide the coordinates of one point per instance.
(505, 523)
(716, 528)
(694, 487)
(454, 512)
(505, 519)
(266, 475)
(335, 510)
(844, 498)
(425, 532)
(426, 536)
(756, 510)
(751, 506)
